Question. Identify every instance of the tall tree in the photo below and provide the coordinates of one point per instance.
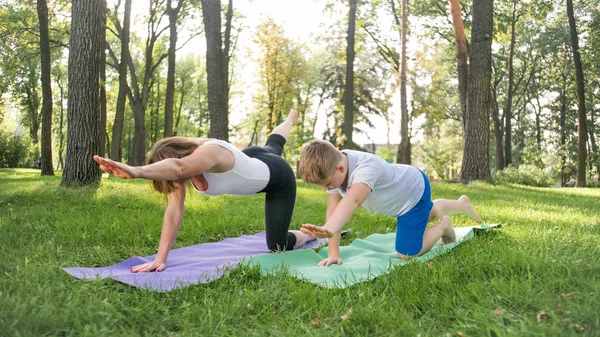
(475, 165)
(348, 98)
(278, 72)
(404, 148)
(116, 151)
(85, 55)
(103, 103)
(173, 14)
(217, 66)
(139, 89)
(462, 60)
(581, 116)
(508, 113)
(46, 143)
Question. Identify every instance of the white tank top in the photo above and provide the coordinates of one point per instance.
(248, 175)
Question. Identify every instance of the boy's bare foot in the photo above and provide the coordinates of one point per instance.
(293, 116)
(449, 235)
(301, 238)
(469, 210)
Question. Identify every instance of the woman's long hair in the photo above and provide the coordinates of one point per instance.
(171, 147)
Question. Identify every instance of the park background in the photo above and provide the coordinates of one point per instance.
(494, 99)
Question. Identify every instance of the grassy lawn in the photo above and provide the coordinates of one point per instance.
(537, 276)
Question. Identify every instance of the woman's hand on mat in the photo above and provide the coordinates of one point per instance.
(115, 168)
(150, 266)
(329, 261)
(316, 231)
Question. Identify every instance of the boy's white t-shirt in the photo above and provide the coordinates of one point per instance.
(395, 188)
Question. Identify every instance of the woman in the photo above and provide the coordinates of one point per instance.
(215, 167)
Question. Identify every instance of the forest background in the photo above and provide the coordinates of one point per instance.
(512, 95)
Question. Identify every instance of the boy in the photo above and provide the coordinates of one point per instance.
(355, 178)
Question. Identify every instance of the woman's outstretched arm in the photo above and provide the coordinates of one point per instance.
(201, 160)
(171, 225)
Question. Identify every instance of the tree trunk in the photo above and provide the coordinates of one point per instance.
(173, 14)
(139, 135)
(581, 115)
(85, 56)
(348, 125)
(498, 132)
(462, 62)
(47, 168)
(154, 130)
(510, 92)
(217, 63)
(562, 122)
(116, 151)
(61, 134)
(475, 164)
(538, 124)
(593, 144)
(103, 132)
(180, 109)
(403, 154)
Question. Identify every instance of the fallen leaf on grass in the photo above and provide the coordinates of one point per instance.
(213, 238)
(558, 310)
(131, 254)
(541, 316)
(460, 334)
(491, 242)
(566, 297)
(430, 265)
(498, 311)
(346, 315)
(577, 327)
(316, 321)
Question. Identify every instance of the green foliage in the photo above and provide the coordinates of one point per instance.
(441, 151)
(16, 151)
(387, 152)
(529, 175)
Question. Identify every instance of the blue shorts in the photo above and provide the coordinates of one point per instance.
(411, 225)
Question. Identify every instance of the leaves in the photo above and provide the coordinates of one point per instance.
(346, 316)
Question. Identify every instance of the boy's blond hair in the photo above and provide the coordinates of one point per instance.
(318, 161)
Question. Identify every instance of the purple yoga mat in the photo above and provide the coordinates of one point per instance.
(200, 263)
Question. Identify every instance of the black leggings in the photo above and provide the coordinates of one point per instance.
(280, 193)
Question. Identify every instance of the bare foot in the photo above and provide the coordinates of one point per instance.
(301, 238)
(449, 235)
(293, 116)
(469, 210)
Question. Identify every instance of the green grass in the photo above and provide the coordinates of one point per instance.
(546, 258)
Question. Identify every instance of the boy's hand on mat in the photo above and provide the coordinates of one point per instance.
(115, 168)
(150, 266)
(316, 231)
(329, 261)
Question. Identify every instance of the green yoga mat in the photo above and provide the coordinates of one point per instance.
(364, 259)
